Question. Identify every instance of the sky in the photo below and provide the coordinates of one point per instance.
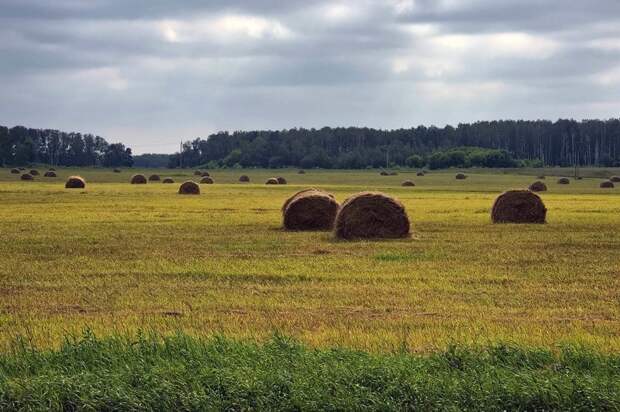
(150, 73)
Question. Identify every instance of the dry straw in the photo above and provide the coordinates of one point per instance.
(310, 209)
(518, 206)
(371, 215)
(75, 182)
(189, 188)
(138, 179)
(538, 186)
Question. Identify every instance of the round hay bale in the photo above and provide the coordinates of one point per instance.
(384, 173)
(22, 168)
(371, 215)
(281, 180)
(244, 178)
(301, 172)
(420, 174)
(27, 176)
(460, 176)
(168, 180)
(538, 186)
(579, 178)
(271, 181)
(154, 178)
(138, 179)
(205, 174)
(75, 182)
(50, 173)
(51, 169)
(541, 177)
(615, 179)
(393, 173)
(117, 170)
(206, 180)
(309, 209)
(189, 188)
(15, 171)
(197, 173)
(34, 172)
(518, 206)
(407, 183)
(607, 184)
(563, 181)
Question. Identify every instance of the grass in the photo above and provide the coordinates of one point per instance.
(185, 373)
(118, 258)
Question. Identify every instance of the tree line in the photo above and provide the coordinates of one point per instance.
(20, 145)
(499, 144)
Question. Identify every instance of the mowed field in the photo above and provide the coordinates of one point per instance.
(119, 258)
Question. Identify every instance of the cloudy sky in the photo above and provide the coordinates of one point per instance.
(152, 72)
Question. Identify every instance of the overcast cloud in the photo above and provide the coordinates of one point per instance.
(152, 72)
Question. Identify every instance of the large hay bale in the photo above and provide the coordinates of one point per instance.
(271, 181)
(563, 181)
(168, 180)
(34, 172)
(189, 188)
(460, 176)
(371, 215)
(538, 186)
(154, 178)
(75, 182)
(518, 206)
(615, 179)
(607, 184)
(420, 174)
(138, 179)
(309, 209)
(301, 172)
(50, 173)
(206, 180)
(205, 174)
(244, 178)
(281, 180)
(407, 183)
(15, 171)
(27, 176)
(197, 173)
(117, 170)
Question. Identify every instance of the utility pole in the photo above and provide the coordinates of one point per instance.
(181, 155)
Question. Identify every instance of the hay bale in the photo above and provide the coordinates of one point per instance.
(579, 178)
(154, 178)
(117, 170)
(22, 168)
(301, 172)
(168, 180)
(393, 173)
(615, 179)
(50, 173)
(538, 186)
(244, 178)
(138, 179)
(34, 172)
(189, 188)
(75, 182)
(271, 181)
(15, 171)
(563, 181)
(27, 176)
(309, 209)
(460, 176)
(384, 173)
(407, 183)
(281, 180)
(197, 173)
(206, 180)
(51, 169)
(420, 174)
(541, 177)
(205, 174)
(607, 184)
(518, 206)
(371, 215)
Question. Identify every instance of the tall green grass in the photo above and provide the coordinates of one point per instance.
(187, 373)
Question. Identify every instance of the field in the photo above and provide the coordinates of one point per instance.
(119, 258)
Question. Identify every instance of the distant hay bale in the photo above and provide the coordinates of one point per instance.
(460, 176)
(301, 172)
(518, 206)
(22, 168)
(371, 215)
(384, 173)
(154, 178)
(117, 170)
(420, 174)
(541, 177)
(538, 186)
(281, 180)
(206, 180)
(51, 169)
(197, 173)
(407, 183)
(310, 209)
(615, 179)
(189, 188)
(244, 178)
(27, 176)
(168, 180)
(138, 179)
(75, 182)
(271, 181)
(608, 184)
(579, 178)
(34, 172)
(205, 174)
(563, 181)
(50, 173)
(15, 171)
